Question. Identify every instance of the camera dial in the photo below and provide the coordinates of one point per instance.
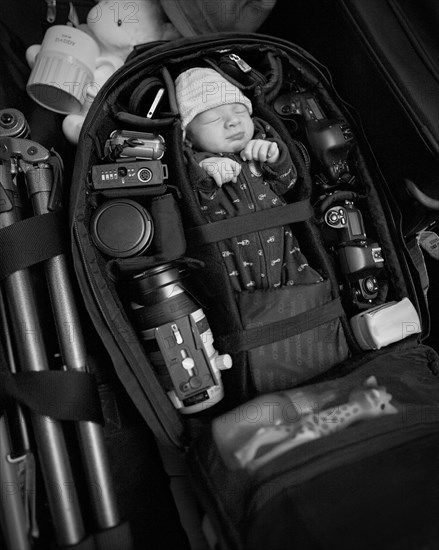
(336, 217)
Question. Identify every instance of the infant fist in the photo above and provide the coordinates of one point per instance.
(261, 150)
(221, 169)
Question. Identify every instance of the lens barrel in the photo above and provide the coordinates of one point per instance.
(176, 336)
(159, 295)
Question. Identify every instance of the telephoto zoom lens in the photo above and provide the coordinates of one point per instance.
(176, 336)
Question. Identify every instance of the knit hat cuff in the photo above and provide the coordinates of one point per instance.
(201, 89)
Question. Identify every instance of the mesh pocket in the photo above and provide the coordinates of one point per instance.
(315, 348)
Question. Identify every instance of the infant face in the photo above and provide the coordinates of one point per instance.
(223, 129)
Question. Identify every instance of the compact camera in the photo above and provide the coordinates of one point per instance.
(132, 173)
(358, 257)
(129, 144)
(331, 140)
(176, 336)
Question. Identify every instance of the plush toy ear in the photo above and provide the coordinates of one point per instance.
(71, 127)
(105, 67)
(31, 54)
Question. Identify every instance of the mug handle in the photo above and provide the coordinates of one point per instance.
(31, 54)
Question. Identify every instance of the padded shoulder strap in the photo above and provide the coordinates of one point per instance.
(30, 241)
(61, 395)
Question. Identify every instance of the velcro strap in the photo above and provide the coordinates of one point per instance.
(249, 223)
(30, 241)
(62, 395)
(245, 340)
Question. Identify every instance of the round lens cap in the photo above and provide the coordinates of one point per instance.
(122, 228)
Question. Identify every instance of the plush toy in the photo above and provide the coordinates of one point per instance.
(366, 401)
(117, 27)
(266, 427)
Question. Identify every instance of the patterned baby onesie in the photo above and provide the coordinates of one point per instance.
(268, 258)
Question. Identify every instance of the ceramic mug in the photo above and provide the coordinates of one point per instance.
(63, 70)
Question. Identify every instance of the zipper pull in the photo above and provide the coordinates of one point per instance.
(72, 19)
(245, 67)
(51, 11)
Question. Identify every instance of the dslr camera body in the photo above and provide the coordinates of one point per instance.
(359, 258)
(331, 140)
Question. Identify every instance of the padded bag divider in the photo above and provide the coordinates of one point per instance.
(105, 308)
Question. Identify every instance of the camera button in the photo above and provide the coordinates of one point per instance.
(332, 217)
(195, 382)
(188, 363)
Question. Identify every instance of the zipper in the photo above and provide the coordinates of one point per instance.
(181, 50)
(240, 63)
(264, 259)
(98, 302)
(51, 11)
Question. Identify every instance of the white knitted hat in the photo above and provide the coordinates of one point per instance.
(200, 89)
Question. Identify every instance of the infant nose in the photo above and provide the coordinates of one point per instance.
(233, 121)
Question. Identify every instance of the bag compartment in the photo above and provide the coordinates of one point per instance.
(243, 504)
(312, 350)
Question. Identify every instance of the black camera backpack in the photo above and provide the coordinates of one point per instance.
(343, 491)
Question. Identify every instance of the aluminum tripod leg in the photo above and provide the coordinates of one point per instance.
(31, 159)
(90, 434)
(31, 354)
(52, 450)
(70, 337)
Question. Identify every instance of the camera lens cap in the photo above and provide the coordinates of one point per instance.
(122, 228)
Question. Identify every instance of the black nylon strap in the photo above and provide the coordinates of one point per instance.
(115, 538)
(62, 395)
(30, 241)
(85, 544)
(280, 330)
(256, 221)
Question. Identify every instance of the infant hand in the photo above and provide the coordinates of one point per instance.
(261, 150)
(221, 169)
